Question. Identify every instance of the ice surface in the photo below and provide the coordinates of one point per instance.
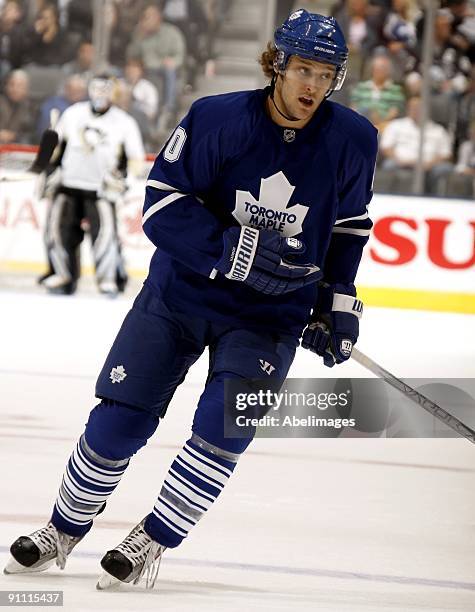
(327, 525)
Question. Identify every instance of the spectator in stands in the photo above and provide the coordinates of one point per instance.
(216, 12)
(12, 32)
(80, 17)
(119, 34)
(362, 29)
(162, 49)
(75, 90)
(189, 17)
(130, 12)
(379, 99)
(466, 109)
(451, 67)
(463, 26)
(83, 62)
(462, 182)
(400, 38)
(400, 147)
(466, 155)
(144, 93)
(124, 100)
(48, 44)
(33, 7)
(16, 113)
(413, 84)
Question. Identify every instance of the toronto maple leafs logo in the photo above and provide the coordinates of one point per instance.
(271, 211)
(117, 374)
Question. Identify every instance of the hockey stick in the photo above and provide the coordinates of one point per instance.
(424, 402)
(48, 143)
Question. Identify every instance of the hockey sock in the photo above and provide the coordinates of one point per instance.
(195, 479)
(88, 481)
(113, 434)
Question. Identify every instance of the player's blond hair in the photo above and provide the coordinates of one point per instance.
(267, 60)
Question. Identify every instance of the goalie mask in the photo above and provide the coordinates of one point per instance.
(313, 37)
(101, 93)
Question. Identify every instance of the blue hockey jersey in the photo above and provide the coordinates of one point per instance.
(228, 163)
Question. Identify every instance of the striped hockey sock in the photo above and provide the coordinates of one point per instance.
(195, 479)
(88, 481)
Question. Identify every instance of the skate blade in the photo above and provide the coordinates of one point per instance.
(106, 582)
(13, 567)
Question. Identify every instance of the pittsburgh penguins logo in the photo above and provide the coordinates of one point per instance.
(93, 136)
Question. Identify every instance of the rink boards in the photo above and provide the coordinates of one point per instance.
(421, 253)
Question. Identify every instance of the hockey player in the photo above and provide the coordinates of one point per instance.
(99, 143)
(256, 196)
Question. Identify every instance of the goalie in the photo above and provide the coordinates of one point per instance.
(98, 144)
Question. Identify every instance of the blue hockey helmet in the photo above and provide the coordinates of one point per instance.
(314, 37)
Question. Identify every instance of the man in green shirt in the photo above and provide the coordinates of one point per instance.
(162, 48)
(379, 99)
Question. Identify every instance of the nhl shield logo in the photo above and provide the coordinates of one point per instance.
(289, 135)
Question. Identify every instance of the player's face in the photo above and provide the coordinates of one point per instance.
(101, 92)
(303, 86)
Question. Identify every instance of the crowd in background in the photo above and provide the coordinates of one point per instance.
(157, 50)
(385, 39)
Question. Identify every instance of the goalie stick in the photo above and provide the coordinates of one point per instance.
(48, 143)
(424, 402)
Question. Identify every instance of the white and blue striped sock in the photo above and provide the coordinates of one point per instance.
(88, 481)
(195, 479)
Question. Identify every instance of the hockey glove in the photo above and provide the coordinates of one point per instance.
(334, 325)
(114, 185)
(261, 259)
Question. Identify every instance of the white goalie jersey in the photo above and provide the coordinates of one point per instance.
(94, 144)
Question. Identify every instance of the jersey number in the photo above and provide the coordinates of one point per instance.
(175, 146)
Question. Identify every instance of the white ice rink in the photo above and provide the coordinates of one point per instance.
(327, 525)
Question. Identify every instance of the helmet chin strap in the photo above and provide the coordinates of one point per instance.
(272, 90)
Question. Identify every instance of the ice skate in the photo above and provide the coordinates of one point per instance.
(39, 550)
(108, 288)
(58, 285)
(137, 556)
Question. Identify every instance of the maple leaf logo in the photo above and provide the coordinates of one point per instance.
(270, 211)
(117, 374)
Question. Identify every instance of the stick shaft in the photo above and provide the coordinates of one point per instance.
(48, 143)
(424, 402)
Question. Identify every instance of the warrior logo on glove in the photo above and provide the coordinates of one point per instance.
(346, 347)
(260, 258)
(333, 328)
